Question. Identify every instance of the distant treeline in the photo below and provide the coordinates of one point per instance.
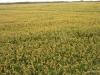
(31, 2)
(42, 2)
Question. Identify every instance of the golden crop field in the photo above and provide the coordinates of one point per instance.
(50, 39)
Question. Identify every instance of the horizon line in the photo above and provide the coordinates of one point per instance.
(46, 1)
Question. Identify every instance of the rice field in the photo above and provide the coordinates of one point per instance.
(50, 39)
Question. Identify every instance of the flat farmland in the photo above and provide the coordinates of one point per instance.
(50, 39)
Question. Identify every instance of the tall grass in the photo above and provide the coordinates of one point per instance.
(50, 39)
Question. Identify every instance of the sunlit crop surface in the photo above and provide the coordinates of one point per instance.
(50, 39)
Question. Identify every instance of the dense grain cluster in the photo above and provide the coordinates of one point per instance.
(50, 39)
